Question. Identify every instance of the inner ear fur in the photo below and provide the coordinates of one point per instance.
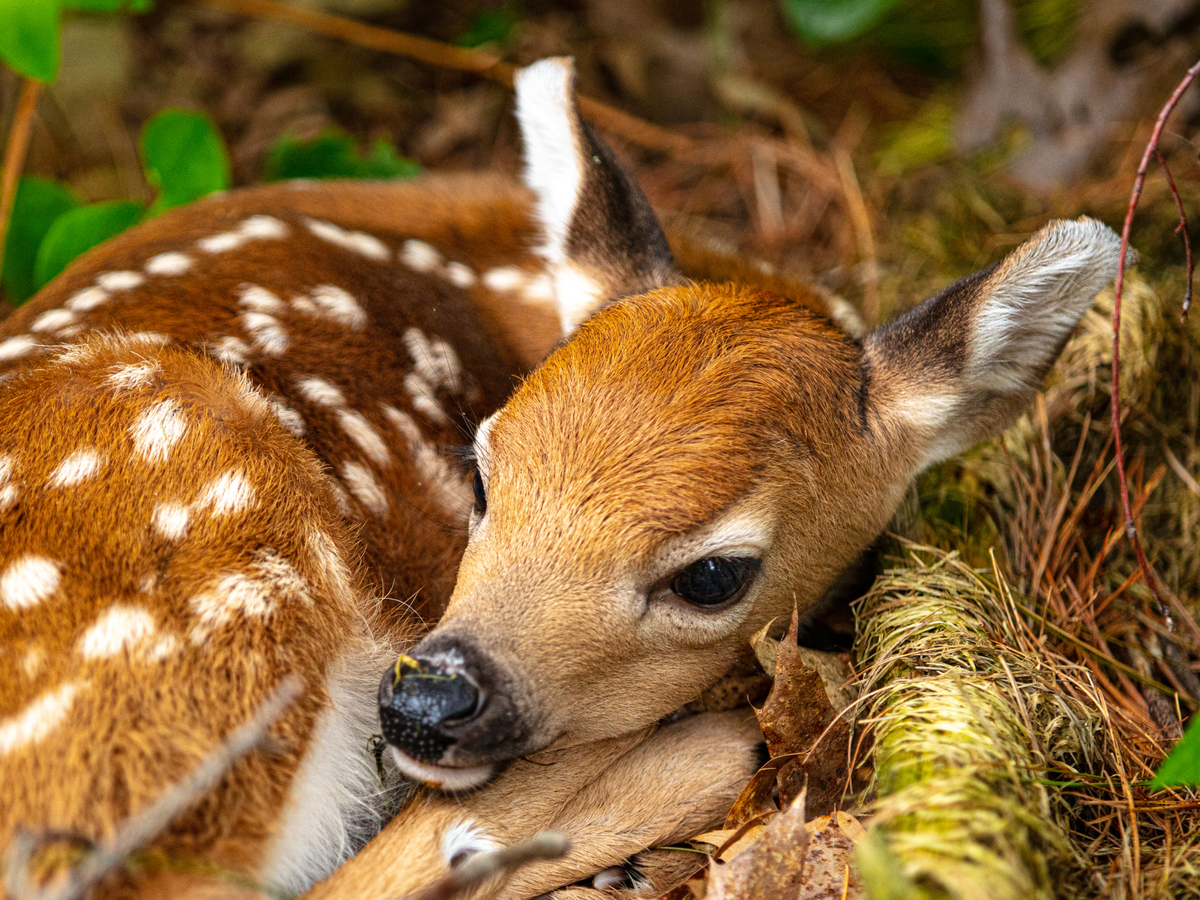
(964, 364)
(601, 238)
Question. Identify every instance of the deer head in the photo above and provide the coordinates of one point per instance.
(692, 461)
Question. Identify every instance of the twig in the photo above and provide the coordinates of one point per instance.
(14, 153)
(1182, 228)
(1122, 484)
(139, 830)
(482, 866)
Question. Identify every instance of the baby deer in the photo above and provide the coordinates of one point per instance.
(223, 461)
(695, 460)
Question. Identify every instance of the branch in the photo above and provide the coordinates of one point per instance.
(14, 153)
(1138, 184)
(482, 866)
(139, 830)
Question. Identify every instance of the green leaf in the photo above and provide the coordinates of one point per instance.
(490, 26)
(29, 37)
(37, 204)
(79, 230)
(834, 21)
(184, 158)
(108, 6)
(334, 154)
(1183, 765)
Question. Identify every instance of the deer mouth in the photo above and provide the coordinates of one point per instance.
(453, 779)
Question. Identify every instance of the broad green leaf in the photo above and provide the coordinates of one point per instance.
(334, 154)
(1183, 765)
(834, 21)
(29, 37)
(184, 158)
(79, 230)
(37, 204)
(108, 6)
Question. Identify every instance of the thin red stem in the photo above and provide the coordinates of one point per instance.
(1182, 228)
(1123, 485)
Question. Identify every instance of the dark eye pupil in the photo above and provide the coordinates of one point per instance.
(480, 494)
(712, 581)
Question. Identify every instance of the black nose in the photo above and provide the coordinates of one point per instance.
(420, 702)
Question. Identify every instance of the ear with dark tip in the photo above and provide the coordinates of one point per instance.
(963, 365)
(602, 241)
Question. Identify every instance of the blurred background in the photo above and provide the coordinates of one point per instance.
(879, 147)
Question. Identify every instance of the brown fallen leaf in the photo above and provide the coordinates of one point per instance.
(769, 868)
(828, 870)
(805, 700)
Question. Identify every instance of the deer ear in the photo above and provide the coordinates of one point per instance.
(601, 239)
(964, 364)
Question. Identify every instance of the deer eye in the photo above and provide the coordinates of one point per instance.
(480, 493)
(715, 580)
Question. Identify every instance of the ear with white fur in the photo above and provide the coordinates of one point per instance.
(602, 241)
(964, 364)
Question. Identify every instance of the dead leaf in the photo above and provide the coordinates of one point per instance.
(828, 870)
(756, 798)
(771, 868)
(805, 700)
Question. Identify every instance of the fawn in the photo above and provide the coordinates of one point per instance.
(222, 444)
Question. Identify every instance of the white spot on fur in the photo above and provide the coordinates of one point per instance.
(18, 346)
(459, 275)
(28, 581)
(340, 498)
(120, 281)
(171, 520)
(8, 489)
(545, 111)
(270, 581)
(221, 243)
(464, 839)
(357, 241)
(266, 332)
(166, 646)
(87, 299)
(170, 263)
(157, 430)
(118, 629)
(539, 290)
(38, 719)
(420, 256)
(264, 228)
(305, 305)
(331, 563)
(435, 366)
(365, 488)
(259, 299)
(288, 417)
(148, 337)
(505, 279)
(364, 434)
(79, 466)
(227, 493)
(134, 375)
(339, 305)
(449, 487)
(232, 593)
(31, 662)
(319, 391)
(232, 350)
(254, 228)
(52, 320)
